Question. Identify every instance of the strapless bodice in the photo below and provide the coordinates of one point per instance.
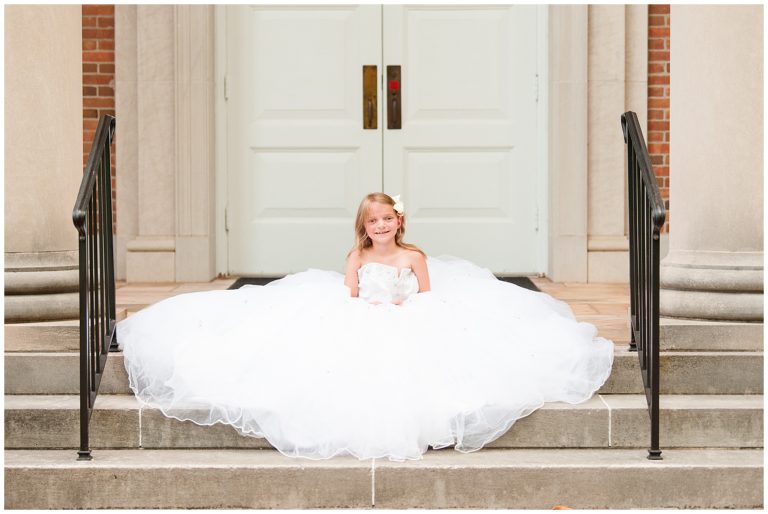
(385, 284)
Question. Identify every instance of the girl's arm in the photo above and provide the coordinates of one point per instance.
(419, 266)
(350, 275)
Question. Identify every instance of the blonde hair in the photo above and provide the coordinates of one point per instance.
(362, 241)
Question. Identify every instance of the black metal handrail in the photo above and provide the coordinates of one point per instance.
(92, 216)
(646, 217)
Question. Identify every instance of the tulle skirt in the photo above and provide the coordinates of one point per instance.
(320, 374)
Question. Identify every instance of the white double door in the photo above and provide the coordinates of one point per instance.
(299, 159)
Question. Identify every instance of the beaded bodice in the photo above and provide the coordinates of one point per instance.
(384, 283)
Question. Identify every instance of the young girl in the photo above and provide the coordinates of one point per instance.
(401, 353)
(379, 229)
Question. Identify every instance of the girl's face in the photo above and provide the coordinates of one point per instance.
(381, 222)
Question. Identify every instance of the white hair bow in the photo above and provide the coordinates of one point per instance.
(398, 207)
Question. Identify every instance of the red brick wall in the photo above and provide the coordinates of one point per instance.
(98, 78)
(658, 97)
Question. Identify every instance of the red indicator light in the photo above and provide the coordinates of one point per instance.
(394, 85)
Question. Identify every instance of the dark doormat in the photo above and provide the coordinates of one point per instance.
(521, 281)
(260, 281)
(254, 281)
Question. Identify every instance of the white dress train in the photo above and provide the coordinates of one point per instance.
(318, 373)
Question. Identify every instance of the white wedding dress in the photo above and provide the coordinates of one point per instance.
(318, 373)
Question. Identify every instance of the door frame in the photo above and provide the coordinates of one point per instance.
(542, 139)
(221, 113)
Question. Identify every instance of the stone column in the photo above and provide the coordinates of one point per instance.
(43, 160)
(714, 270)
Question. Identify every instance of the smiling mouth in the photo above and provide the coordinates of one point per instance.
(381, 233)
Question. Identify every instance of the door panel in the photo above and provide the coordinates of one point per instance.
(298, 159)
(465, 159)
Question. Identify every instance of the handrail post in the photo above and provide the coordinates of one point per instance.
(110, 270)
(632, 256)
(646, 217)
(92, 216)
(654, 453)
(85, 452)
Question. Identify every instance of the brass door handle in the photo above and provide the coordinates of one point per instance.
(370, 115)
(370, 109)
(395, 110)
(394, 98)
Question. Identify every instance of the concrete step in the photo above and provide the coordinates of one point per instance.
(697, 335)
(59, 373)
(490, 479)
(674, 334)
(62, 336)
(726, 421)
(681, 373)
(690, 373)
(46, 336)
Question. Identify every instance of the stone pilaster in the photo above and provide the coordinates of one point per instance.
(714, 269)
(169, 100)
(43, 160)
(126, 110)
(618, 42)
(150, 254)
(195, 141)
(568, 121)
(598, 69)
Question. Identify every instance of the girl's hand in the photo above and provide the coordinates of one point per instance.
(397, 302)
